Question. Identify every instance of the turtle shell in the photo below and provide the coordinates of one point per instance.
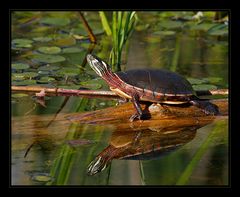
(159, 81)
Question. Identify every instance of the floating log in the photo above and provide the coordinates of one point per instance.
(164, 116)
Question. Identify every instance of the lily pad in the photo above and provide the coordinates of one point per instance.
(48, 58)
(18, 76)
(70, 72)
(45, 80)
(24, 82)
(202, 26)
(71, 50)
(22, 43)
(74, 87)
(165, 33)
(204, 87)
(56, 21)
(29, 75)
(214, 80)
(63, 40)
(48, 67)
(41, 177)
(20, 66)
(219, 32)
(153, 38)
(19, 95)
(85, 45)
(44, 72)
(196, 81)
(142, 27)
(80, 30)
(170, 24)
(49, 50)
(42, 39)
(41, 29)
(92, 84)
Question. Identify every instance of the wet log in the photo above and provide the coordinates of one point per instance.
(159, 116)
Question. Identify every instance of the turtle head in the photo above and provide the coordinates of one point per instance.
(98, 65)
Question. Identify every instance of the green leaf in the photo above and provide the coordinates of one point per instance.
(48, 67)
(42, 39)
(45, 79)
(18, 76)
(24, 82)
(49, 50)
(202, 26)
(196, 81)
(74, 87)
(92, 84)
(105, 23)
(214, 80)
(63, 42)
(22, 43)
(204, 87)
(170, 24)
(41, 177)
(164, 33)
(20, 66)
(29, 75)
(71, 50)
(19, 95)
(219, 32)
(56, 21)
(71, 72)
(48, 58)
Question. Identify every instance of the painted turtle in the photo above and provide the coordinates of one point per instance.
(157, 86)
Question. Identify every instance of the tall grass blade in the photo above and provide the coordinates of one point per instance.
(105, 23)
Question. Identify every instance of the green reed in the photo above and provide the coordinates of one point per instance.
(122, 26)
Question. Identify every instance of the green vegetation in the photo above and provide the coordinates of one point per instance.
(121, 28)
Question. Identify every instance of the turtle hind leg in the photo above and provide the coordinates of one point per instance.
(207, 107)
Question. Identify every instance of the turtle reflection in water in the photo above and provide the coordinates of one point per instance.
(150, 145)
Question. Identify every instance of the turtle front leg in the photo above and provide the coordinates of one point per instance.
(136, 104)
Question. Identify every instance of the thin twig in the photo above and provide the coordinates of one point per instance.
(104, 93)
(88, 29)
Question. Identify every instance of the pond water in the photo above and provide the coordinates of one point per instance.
(49, 149)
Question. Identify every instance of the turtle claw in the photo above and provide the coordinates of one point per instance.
(135, 116)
